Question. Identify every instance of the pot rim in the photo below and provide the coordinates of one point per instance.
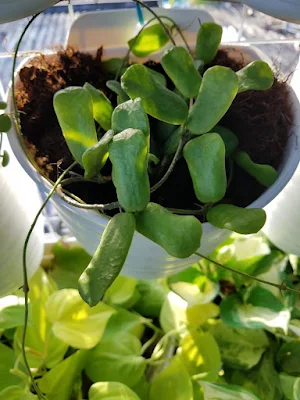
(286, 170)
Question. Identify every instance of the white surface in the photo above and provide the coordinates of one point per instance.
(11, 10)
(288, 10)
(19, 203)
(146, 259)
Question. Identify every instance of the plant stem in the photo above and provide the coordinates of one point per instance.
(25, 277)
(281, 286)
(185, 212)
(158, 19)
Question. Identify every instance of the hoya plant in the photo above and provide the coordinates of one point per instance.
(187, 101)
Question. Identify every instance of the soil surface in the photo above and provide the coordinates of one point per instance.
(261, 119)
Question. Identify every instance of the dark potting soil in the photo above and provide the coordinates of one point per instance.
(261, 120)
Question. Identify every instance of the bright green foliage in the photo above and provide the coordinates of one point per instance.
(255, 76)
(205, 157)
(94, 158)
(74, 111)
(179, 66)
(131, 114)
(17, 393)
(290, 386)
(237, 219)
(117, 358)
(159, 102)
(217, 91)
(152, 295)
(128, 153)
(109, 256)
(7, 362)
(5, 123)
(102, 108)
(264, 174)
(11, 312)
(229, 138)
(116, 87)
(179, 235)
(288, 358)
(216, 391)
(200, 354)
(111, 391)
(149, 40)
(113, 65)
(208, 40)
(122, 293)
(160, 78)
(172, 383)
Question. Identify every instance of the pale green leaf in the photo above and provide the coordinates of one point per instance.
(11, 312)
(74, 322)
(17, 393)
(152, 295)
(290, 386)
(111, 391)
(172, 383)
(173, 312)
(102, 108)
(198, 314)
(126, 322)
(216, 391)
(122, 292)
(149, 40)
(117, 358)
(7, 362)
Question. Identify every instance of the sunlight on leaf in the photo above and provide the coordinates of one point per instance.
(111, 391)
(122, 292)
(149, 40)
(216, 391)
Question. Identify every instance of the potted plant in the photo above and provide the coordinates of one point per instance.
(168, 123)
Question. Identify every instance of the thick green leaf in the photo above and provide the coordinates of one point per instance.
(217, 391)
(5, 123)
(264, 174)
(116, 87)
(159, 102)
(198, 314)
(149, 40)
(240, 348)
(5, 159)
(290, 386)
(74, 110)
(17, 393)
(161, 226)
(200, 354)
(262, 380)
(131, 114)
(117, 359)
(11, 312)
(108, 259)
(111, 391)
(114, 65)
(74, 322)
(230, 140)
(259, 309)
(102, 108)
(255, 76)
(59, 381)
(7, 362)
(217, 91)
(208, 40)
(152, 295)
(237, 219)
(172, 143)
(172, 383)
(179, 66)
(205, 157)
(288, 358)
(94, 158)
(122, 292)
(70, 260)
(3, 105)
(160, 78)
(126, 322)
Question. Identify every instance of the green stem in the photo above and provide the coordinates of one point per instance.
(281, 286)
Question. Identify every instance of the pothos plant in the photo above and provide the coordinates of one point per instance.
(189, 117)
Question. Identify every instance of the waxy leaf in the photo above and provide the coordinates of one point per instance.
(74, 322)
(179, 235)
(255, 76)
(179, 66)
(5, 123)
(205, 157)
(159, 102)
(116, 87)
(128, 153)
(94, 158)
(152, 295)
(208, 40)
(111, 391)
(117, 358)
(172, 383)
(217, 91)
(264, 174)
(160, 78)
(230, 140)
(131, 114)
(216, 391)
(108, 259)
(74, 111)
(102, 108)
(149, 40)
(237, 219)
(122, 293)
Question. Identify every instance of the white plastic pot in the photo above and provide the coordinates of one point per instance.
(19, 203)
(146, 259)
(11, 10)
